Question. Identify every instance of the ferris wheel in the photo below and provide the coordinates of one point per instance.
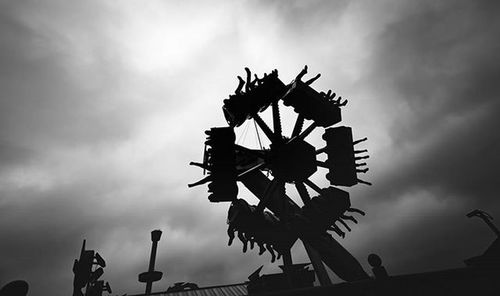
(276, 222)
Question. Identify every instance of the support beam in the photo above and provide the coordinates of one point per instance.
(318, 266)
(287, 265)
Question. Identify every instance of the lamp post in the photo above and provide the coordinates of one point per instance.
(151, 275)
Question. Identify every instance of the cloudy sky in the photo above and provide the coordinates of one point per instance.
(104, 103)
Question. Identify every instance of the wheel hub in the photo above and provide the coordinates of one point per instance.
(294, 161)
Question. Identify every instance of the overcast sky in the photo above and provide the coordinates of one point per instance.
(104, 103)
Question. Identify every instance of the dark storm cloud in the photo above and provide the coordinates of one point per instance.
(42, 246)
(65, 93)
(438, 62)
(305, 17)
(56, 88)
(461, 162)
(440, 59)
(47, 239)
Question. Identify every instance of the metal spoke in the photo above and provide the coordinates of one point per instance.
(322, 164)
(321, 150)
(305, 133)
(298, 125)
(276, 120)
(313, 186)
(263, 126)
(302, 190)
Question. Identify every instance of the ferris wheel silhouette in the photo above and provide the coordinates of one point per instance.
(276, 222)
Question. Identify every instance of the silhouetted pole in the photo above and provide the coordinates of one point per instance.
(287, 267)
(151, 275)
(486, 218)
(155, 237)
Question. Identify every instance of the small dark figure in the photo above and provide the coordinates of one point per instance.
(378, 270)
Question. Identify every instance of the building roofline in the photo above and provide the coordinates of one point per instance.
(200, 288)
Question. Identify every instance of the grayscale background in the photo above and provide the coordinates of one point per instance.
(104, 103)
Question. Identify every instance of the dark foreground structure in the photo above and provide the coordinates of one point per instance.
(481, 276)
(463, 281)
